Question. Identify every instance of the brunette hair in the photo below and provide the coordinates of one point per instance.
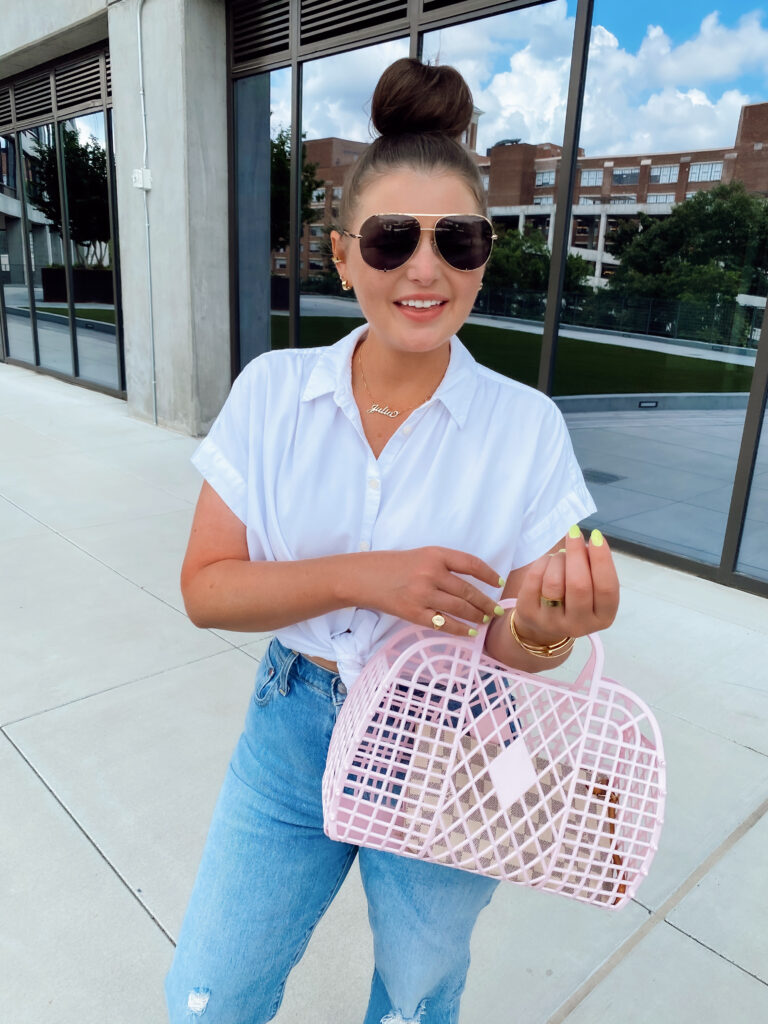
(419, 111)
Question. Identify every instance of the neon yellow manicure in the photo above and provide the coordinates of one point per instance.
(596, 539)
(574, 532)
(486, 618)
(473, 632)
(502, 581)
(498, 610)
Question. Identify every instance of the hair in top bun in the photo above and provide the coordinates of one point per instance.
(412, 97)
(420, 112)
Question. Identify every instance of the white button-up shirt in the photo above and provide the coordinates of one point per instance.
(485, 466)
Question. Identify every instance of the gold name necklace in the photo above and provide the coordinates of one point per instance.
(384, 410)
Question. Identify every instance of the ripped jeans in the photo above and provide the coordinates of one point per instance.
(269, 873)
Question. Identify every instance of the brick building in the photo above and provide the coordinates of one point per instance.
(524, 179)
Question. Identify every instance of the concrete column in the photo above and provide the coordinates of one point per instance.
(601, 244)
(521, 223)
(185, 83)
(551, 231)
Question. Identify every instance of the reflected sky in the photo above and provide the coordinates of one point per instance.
(661, 77)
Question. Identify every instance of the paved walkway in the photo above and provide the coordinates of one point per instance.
(117, 717)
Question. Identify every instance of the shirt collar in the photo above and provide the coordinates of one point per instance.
(332, 373)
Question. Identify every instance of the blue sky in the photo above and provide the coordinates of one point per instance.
(663, 75)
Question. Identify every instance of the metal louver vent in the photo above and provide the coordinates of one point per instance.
(108, 63)
(437, 5)
(325, 19)
(78, 83)
(259, 29)
(5, 107)
(33, 98)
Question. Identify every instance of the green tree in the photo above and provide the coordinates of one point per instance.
(280, 197)
(522, 262)
(85, 166)
(713, 246)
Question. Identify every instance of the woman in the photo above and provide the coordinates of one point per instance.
(386, 478)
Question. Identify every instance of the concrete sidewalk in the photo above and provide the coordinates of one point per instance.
(118, 717)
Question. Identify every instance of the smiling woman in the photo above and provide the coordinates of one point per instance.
(350, 489)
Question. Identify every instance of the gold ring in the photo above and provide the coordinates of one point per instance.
(551, 602)
(438, 620)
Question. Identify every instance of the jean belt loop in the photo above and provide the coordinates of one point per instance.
(283, 682)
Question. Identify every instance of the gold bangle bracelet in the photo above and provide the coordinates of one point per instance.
(541, 650)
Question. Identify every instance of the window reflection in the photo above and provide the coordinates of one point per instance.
(753, 551)
(337, 131)
(46, 252)
(13, 267)
(656, 352)
(84, 147)
(516, 65)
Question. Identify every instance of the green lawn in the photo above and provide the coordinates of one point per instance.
(582, 368)
(105, 316)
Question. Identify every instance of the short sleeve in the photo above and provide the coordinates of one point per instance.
(557, 496)
(223, 456)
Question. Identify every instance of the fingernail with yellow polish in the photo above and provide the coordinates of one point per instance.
(502, 581)
(574, 532)
(473, 632)
(596, 539)
(498, 610)
(486, 618)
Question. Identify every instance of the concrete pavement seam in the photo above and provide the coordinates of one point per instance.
(658, 916)
(711, 949)
(127, 682)
(89, 838)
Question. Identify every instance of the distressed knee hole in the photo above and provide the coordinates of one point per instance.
(198, 1000)
(397, 1018)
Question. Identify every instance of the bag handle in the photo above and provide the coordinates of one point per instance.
(590, 675)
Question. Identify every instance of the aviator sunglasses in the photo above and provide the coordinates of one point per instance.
(388, 240)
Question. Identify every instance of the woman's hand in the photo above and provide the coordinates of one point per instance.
(581, 576)
(417, 584)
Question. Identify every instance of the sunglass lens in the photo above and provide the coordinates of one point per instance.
(464, 241)
(387, 242)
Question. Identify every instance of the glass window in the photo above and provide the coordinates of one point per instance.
(623, 199)
(7, 164)
(545, 178)
(84, 145)
(626, 175)
(521, 124)
(48, 258)
(656, 421)
(664, 174)
(337, 130)
(13, 267)
(753, 550)
(661, 197)
(712, 171)
(592, 177)
(589, 200)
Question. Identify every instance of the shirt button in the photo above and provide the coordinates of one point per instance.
(373, 483)
(407, 429)
(364, 545)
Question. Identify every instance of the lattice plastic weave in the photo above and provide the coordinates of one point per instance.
(442, 754)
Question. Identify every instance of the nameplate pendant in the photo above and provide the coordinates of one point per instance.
(384, 410)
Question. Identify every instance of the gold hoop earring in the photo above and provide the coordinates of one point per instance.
(345, 285)
(335, 259)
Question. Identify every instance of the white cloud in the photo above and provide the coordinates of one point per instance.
(661, 97)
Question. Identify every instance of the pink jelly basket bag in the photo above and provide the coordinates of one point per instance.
(442, 754)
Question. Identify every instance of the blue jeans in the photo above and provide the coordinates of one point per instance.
(269, 873)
